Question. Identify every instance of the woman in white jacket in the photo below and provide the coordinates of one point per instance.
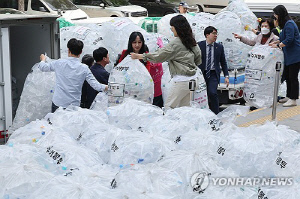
(264, 38)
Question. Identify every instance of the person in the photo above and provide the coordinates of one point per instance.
(136, 44)
(183, 7)
(264, 37)
(88, 60)
(213, 57)
(183, 55)
(289, 41)
(70, 75)
(276, 30)
(101, 58)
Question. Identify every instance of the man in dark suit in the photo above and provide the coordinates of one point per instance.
(102, 59)
(213, 59)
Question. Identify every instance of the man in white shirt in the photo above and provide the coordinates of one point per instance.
(183, 7)
(70, 74)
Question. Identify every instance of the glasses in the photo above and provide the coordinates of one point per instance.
(214, 33)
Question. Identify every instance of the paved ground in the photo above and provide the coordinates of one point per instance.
(289, 116)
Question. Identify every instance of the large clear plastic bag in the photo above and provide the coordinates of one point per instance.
(138, 147)
(222, 21)
(92, 37)
(286, 191)
(69, 187)
(149, 180)
(248, 146)
(36, 99)
(100, 139)
(100, 102)
(200, 99)
(61, 152)
(195, 117)
(186, 163)
(30, 133)
(130, 78)
(241, 9)
(260, 75)
(199, 22)
(163, 26)
(138, 112)
(77, 121)
(235, 51)
(22, 176)
(165, 80)
(116, 33)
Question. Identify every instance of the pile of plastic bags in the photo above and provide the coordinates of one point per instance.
(113, 35)
(237, 14)
(136, 150)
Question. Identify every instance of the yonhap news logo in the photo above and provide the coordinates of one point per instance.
(201, 180)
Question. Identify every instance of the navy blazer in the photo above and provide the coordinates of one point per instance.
(219, 58)
(102, 76)
(290, 37)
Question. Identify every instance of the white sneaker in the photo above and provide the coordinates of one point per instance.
(284, 100)
(289, 103)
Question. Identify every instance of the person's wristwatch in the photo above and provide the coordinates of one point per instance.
(278, 46)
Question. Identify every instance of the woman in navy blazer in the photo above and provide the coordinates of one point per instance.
(290, 44)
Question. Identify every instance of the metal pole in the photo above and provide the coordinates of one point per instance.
(192, 87)
(275, 96)
(2, 84)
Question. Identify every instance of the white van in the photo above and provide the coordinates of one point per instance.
(110, 8)
(257, 6)
(211, 6)
(64, 8)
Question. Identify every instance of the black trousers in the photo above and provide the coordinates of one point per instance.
(290, 74)
(54, 107)
(158, 101)
(212, 91)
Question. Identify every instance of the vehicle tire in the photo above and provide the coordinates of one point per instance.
(200, 8)
(242, 101)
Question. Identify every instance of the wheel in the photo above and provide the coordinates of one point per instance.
(200, 8)
(242, 101)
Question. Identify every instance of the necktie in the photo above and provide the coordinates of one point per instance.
(208, 62)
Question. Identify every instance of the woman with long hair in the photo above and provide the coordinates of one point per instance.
(289, 42)
(183, 55)
(136, 44)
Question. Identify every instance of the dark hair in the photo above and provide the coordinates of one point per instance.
(88, 60)
(208, 30)
(184, 31)
(99, 54)
(75, 46)
(132, 38)
(271, 23)
(283, 15)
